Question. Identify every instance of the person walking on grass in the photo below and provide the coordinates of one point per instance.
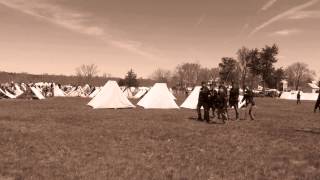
(299, 97)
(203, 101)
(213, 100)
(222, 104)
(317, 105)
(234, 99)
(248, 98)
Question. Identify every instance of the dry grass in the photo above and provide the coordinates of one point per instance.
(62, 138)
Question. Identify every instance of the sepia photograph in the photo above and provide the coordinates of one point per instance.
(159, 90)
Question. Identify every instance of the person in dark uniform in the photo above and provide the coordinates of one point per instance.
(203, 101)
(248, 98)
(299, 97)
(222, 103)
(317, 106)
(186, 92)
(52, 89)
(213, 100)
(234, 99)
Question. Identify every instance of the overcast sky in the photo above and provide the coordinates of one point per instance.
(56, 36)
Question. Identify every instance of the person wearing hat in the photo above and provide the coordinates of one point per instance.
(299, 97)
(317, 105)
(234, 99)
(222, 103)
(248, 98)
(213, 100)
(203, 101)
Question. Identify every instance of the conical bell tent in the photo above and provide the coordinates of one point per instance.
(110, 96)
(158, 97)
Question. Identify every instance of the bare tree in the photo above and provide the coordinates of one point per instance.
(229, 70)
(244, 56)
(86, 72)
(299, 73)
(206, 74)
(187, 74)
(161, 75)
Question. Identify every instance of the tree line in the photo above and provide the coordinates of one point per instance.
(250, 67)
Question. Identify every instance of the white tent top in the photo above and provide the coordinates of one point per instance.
(192, 100)
(18, 90)
(37, 93)
(95, 92)
(110, 96)
(158, 97)
(58, 92)
(142, 91)
(128, 93)
(7, 94)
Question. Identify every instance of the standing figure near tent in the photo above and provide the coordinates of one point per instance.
(186, 92)
(234, 99)
(299, 97)
(52, 89)
(248, 98)
(317, 106)
(203, 101)
(222, 104)
(213, 100)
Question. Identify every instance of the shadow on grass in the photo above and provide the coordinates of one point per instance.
(309, 130)
(202, 121)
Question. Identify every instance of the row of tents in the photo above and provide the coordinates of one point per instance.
(43, 90)
(158, 97)
(21, 92)
(112, 96)
(292, 95)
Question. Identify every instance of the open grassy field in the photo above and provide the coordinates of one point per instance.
(62, 138)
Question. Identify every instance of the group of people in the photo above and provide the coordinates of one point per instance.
(218, 99)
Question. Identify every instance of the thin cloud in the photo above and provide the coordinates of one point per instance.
(283, 15)
(285, 32)
(268, 5)
(132, 46)
(305, 15)
(72, 20)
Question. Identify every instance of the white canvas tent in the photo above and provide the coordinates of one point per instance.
(37, 93)
(158, 97)
(128, 93)
(304, 96)
(192, 100)
(110, 96)
(58, 92)
(18, 90)
(7, 94)
(77, 92)
(141, 92)
(171, 93)
(12, 96)
(95, 92)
